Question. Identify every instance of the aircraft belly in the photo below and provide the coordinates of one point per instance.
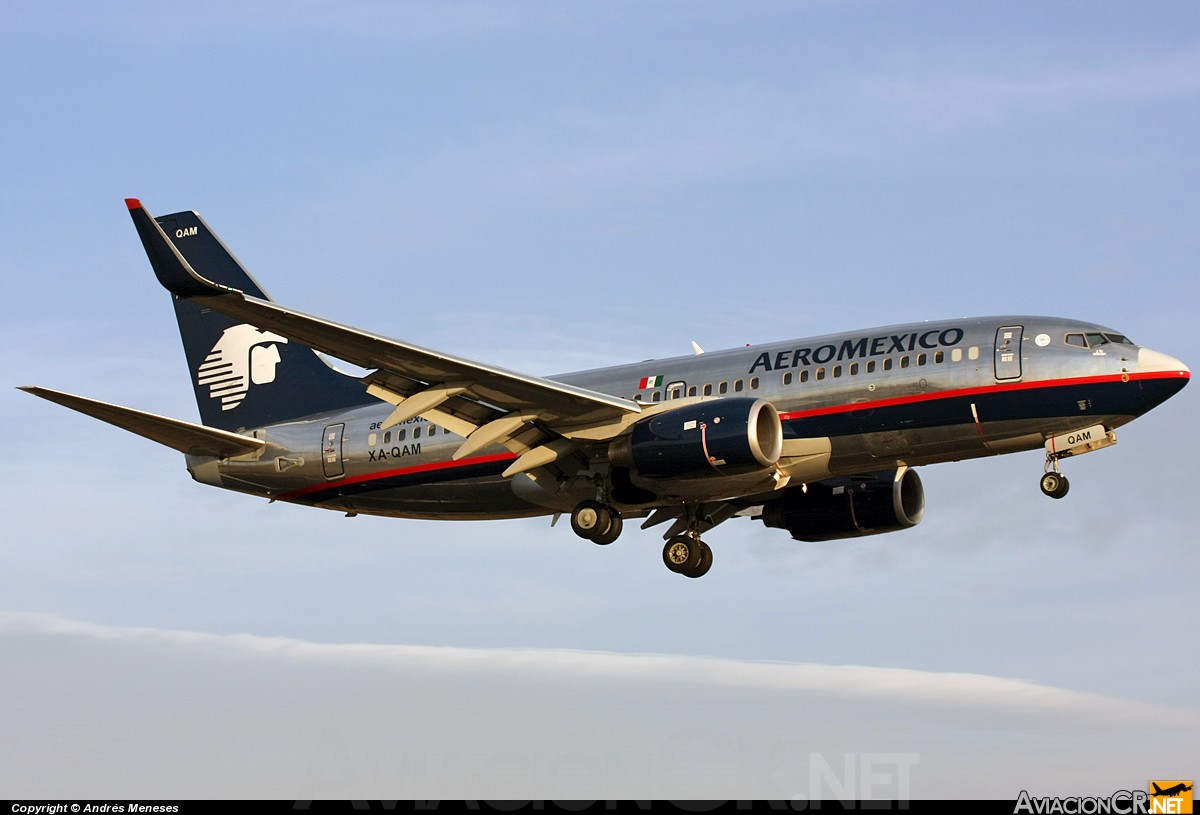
(475, 499)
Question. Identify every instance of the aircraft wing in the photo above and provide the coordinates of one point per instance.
(487, 404)
(192, 439)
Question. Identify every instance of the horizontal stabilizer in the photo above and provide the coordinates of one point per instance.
(192, 439)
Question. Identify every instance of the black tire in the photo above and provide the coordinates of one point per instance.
(615, 524)
(1055, 485)
(589, 519)
(1063, 486)
(706, 561)
(682, 553)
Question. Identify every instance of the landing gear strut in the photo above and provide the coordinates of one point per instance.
(592, 520)
(1053, 482)
(686, 554)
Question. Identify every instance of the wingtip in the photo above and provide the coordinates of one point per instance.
(133, 203)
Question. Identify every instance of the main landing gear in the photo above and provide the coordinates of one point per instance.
(683, 554)
(592, 520)
(688, 555)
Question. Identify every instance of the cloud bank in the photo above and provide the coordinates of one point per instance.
(92, 711)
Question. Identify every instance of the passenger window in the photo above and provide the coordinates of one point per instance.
(417, 432)
(723, 388)
(887, 364)
(656, 396)
(1077, 340)
(372, 439)
(387, 437)
(904, 361)
(922, 359)
(692, 390)
(973, 352)
(956, 355)
(754, 383)
(804, 375)
(708, 390)
(853, 369)
(870, 366)
(400, 434)
(432, 429)
(787, 378)
(820, 373)
(939, 357)
(737, 386)
(837, 371)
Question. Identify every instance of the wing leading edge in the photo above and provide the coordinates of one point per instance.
(529, 415)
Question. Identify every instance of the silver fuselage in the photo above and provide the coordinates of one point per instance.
(853, 402)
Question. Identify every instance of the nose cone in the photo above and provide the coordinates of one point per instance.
(1155, 362)
(1161, 376)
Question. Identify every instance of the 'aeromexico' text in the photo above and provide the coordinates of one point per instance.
(857, 348)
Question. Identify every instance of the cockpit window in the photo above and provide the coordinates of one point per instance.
(1095, 339)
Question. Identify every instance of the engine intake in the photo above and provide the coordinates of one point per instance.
(849, 507)
(719, 437)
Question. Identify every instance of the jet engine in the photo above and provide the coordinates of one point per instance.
(850, 506)
(718, 437)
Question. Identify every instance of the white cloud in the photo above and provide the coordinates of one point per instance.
(105, 712)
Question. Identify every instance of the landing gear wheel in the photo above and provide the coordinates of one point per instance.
(1055, 484)
(615, 525)
(683, 553)
(706, 560)
(590, 519)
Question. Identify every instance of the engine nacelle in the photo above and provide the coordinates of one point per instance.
(719, 437)
(850, 506)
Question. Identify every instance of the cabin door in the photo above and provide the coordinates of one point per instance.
(1008, 352)
(331, 451)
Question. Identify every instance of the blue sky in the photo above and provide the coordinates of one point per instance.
(552, 187)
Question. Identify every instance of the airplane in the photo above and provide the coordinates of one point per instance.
(1170, 792)
(818, 437)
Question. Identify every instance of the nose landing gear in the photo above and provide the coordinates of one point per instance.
(1065, 445)
(1054, 483)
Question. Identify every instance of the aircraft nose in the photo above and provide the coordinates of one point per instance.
(1156, 362)
(1161, 377)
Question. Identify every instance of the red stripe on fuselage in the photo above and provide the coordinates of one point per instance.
(415, 469)
(795, 414)
(978, 391)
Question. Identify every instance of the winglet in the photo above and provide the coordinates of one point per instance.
(173, 271)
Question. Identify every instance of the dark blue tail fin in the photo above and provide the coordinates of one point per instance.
(245, 377)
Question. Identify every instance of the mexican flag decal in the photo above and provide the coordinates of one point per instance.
(650, 382)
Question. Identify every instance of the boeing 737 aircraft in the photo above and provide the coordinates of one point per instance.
(815, 436)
